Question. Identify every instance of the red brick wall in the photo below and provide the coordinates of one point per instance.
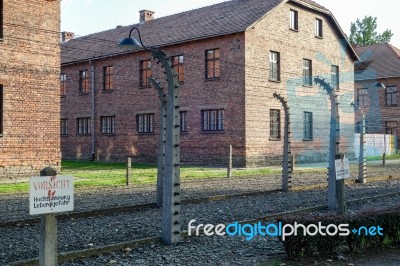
(127, 100)
(30, 59)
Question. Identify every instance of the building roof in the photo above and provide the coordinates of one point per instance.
(377, 62)
(216, 20)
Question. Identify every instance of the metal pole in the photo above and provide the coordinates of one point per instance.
(93, 120)
(171, 200)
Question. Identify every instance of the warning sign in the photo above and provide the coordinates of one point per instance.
(342, 168)
(48, 194)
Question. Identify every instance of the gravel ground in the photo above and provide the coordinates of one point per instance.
(21, 241)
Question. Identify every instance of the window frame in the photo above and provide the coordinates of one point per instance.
(318, 30)
(294, 20)
(178, 66)
(307, 72)
(335, 77)
(390, 129)
(364, 97)
(107, 125)
(63, 85)
(275, 124)
(108, 78)
(212, 120)
(308, 124)
(145, 71)
(145, 123)
(183, 121)
(83, 126)
(392, 94)
(274, 66)
(64, 126)
(213, 64)
(83, 82)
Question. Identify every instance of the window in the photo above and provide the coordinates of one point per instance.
(84, 126)
(335, 77)
(83, 82)
(308, 126)
(391, 127)
(145, 123)
(108, 78)
(145, 73)
(391, 96)
(362, 97)
(183, 121)
(107, 124)
(275, 124)
(63, 85)
(64, 126)
(177, 65)
(1, 19)
(294, 20)
(274, 66)
(1, 108)
(213, 120)
(212, 64)
(307, 72)
(318, 27)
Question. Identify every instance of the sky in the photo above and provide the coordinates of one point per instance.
(84, 17)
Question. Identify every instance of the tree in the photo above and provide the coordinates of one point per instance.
(364, 32)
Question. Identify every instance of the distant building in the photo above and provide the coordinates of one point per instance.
(378, 64)
(29, 87)
(230, 57)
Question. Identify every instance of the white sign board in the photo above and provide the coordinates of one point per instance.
(342, 168)
(48, 194)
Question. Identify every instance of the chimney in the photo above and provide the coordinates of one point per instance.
(146, 15)
(66, 36)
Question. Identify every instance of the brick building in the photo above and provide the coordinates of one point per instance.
(378, 64)
(29, 86)
(231, 57)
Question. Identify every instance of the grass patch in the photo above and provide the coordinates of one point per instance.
(9, 188)
(96, 174)
(388, 157)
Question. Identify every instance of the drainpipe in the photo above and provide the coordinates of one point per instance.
(93, 115)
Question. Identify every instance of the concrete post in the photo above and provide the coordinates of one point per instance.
(384, 150)
(340, 203)
(287, 163)
(128, 170)
(161, 140)
(334, 137)
(229, 175)
(171, 200)
(362, 160)
(48, 232)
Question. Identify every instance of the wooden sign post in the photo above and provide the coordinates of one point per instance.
(49, 194)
